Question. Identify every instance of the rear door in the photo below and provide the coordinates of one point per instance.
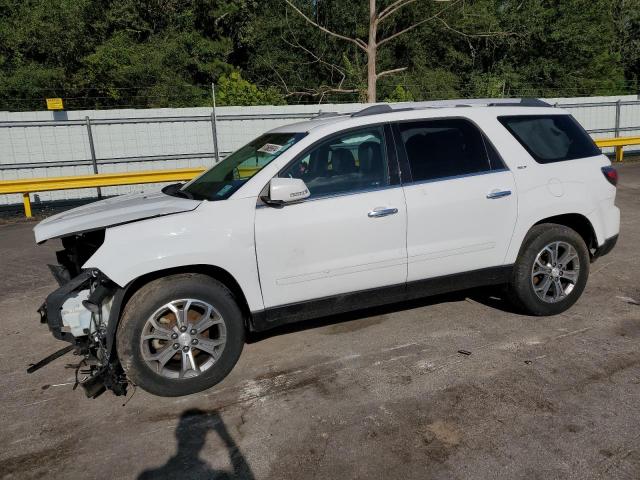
(348, 236)
(461, 198)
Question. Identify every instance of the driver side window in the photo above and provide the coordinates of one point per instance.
(345, 163)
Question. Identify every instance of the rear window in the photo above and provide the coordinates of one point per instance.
(551, 138)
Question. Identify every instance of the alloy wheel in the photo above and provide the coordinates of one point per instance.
(555, 271)
(183, 338)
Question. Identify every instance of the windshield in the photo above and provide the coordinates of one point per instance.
(221, 181)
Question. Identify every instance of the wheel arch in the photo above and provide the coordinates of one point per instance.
(577, 222)
(123, 295)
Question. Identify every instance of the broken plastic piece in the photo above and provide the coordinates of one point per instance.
(49, 359)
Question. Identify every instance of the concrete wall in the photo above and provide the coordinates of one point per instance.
(64, 143)
(604, 116)
(45, 144)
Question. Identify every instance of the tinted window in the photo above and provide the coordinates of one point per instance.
(494, 157)
(551, 138)
(443, 148)
(222, 180)
(350, 162)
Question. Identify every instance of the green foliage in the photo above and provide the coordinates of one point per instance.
(235, 90)
(159, 53)
(399, 94)
(625, 19)
(124, 53)
(164, 71)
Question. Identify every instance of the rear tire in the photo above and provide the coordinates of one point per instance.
(180, 334)
(551, 271)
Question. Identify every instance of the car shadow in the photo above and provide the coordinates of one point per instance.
(492, 297)
(191, 434)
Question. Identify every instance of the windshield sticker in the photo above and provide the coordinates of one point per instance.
(270, 148)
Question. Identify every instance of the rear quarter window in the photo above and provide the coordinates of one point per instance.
(551, 138)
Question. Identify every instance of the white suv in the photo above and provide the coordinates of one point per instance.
(334, 214)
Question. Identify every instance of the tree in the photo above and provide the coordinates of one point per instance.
(166, 53)
(625, 16)
(116, 53)
(372, 45)
(234, 90)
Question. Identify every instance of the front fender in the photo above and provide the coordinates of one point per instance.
(220, 234)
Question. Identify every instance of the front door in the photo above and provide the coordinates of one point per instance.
(348, 236)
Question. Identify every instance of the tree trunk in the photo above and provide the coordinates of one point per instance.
(372, 53)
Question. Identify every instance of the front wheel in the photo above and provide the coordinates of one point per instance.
(551, 270)
(180, 334)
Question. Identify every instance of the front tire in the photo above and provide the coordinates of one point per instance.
(551, 271)
(180, 334)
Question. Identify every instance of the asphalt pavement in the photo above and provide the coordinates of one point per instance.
(381, 393)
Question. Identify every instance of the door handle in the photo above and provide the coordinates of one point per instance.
(498, 194)
(382, 212)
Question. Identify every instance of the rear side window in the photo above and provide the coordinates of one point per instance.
(551, 138)
(494, 158)
(444, 148)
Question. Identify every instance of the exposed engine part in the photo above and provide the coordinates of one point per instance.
(96, 379)
(75, 317)
(78, 312)
(60, 273)
(78, 319)
(102, 371)
(78, 249)
(98, 371)
(100, 291)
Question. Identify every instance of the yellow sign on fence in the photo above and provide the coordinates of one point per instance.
(54, 104)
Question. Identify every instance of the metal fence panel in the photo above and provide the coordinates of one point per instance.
(44, 144)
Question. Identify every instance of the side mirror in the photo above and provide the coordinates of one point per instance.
(286, 190)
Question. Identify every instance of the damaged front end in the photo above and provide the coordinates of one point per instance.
(79, 313)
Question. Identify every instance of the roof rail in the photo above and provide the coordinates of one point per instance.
(373, 110)
(524, 102)
(479, 102)
(327, 114)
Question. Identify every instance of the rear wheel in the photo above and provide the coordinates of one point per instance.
(180, 334)
(551, 270)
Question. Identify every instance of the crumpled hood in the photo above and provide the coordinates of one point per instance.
(112, 211)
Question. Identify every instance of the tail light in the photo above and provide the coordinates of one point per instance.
(611, 174)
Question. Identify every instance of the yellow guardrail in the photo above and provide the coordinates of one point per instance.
(29, 185)
(618, 143)
(26, 186)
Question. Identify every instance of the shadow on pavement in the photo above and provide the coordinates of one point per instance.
(191, 433)
(492, 297)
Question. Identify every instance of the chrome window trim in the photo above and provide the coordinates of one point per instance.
(455, 177)
(399, 142)
(261, 204)
(401, 184)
